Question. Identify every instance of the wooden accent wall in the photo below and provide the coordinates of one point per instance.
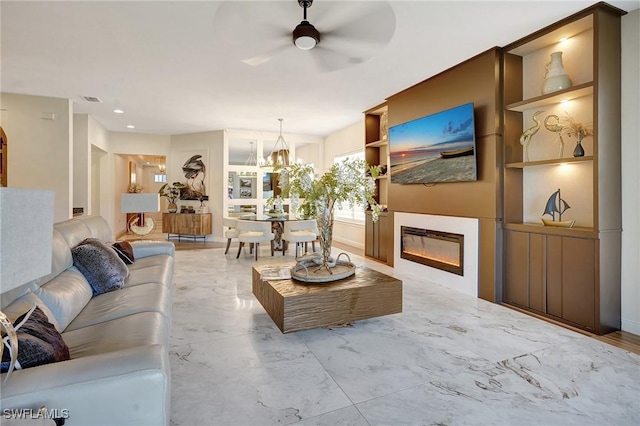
(476, 80)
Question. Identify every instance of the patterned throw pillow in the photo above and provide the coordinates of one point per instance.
(38, 342)
(124, 250)
(100, 265)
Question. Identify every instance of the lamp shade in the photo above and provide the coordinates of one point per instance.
(140, 203)
(26, 235)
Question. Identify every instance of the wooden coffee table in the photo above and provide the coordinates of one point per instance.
(295, 306)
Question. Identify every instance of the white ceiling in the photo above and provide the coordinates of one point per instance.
(177, 66)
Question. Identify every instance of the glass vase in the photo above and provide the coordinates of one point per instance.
(324, 219)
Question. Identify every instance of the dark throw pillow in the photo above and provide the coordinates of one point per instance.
(124, 251)
(100, 265)
(38, 342)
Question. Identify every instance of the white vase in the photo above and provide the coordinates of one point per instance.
(555, 77)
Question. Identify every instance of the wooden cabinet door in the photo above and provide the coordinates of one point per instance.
(536, 272)
(516, 274)
(554, 275)
(369, 241)
(578, 281)
(385, 238)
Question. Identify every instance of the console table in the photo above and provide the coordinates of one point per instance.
(188, 225)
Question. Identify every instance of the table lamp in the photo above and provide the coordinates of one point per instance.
(26, 238)
(141, 203)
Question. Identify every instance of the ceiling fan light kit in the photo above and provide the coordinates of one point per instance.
(305, 35)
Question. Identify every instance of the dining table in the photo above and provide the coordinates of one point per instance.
(277, 226)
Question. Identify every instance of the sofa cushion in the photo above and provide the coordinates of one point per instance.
(26, 302)
(124, 251)
(66, 295)
(146, 328)
(39, 342)
(152, 297)
(100, 265)
(98, 227)
(153, 269)
(73, 231)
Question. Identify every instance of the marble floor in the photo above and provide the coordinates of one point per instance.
(447, 359)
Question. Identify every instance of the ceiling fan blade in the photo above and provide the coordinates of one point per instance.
(371, 23)
(354, 32)
(328, 59)
(253, 32)
(263, 58)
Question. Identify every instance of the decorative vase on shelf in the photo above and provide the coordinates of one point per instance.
(172, 208)
(579, 150)
(555, 77)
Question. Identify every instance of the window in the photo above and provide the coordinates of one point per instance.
(158, 178)
(355, 213)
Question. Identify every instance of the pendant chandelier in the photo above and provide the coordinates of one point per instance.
(279, 156)
(251, 161)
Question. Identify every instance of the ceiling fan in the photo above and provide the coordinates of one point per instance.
(344, 33)
(305, 36)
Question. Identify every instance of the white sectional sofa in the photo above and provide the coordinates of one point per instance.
(118, 372)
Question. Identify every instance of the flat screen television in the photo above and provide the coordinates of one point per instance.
(437, 148)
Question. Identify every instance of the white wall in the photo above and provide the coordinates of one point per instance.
(139, 143)
(211, 143)
(342, 142)
(81, 162)
(630, 174)
(122, 144)
(100, 194)
(39, 133)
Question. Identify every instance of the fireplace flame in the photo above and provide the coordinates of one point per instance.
(435, 257)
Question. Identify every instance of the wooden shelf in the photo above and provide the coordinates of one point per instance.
(574, 92)
(557, 161)
(570, 29)
(570, 274)
(539, 228)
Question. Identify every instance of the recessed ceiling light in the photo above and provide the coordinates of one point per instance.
(564, 39)
(118, 111)
(130, 126)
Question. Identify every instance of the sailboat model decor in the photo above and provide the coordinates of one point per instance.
(555, 204)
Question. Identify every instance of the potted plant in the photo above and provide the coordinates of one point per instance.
(351, 181)
(172, 192)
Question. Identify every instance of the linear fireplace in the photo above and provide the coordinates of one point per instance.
(441, 250)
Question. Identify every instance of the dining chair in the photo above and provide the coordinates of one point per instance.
(300, 231)
(254, 232)
(231, 232)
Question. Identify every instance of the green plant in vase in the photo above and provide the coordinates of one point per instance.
(351, 182)
(172, 192)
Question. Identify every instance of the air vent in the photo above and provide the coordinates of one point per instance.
(92, 99)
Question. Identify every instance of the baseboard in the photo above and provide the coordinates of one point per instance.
(630, 326)
(348, 242)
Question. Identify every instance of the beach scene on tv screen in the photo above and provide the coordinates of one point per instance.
(435, 148)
